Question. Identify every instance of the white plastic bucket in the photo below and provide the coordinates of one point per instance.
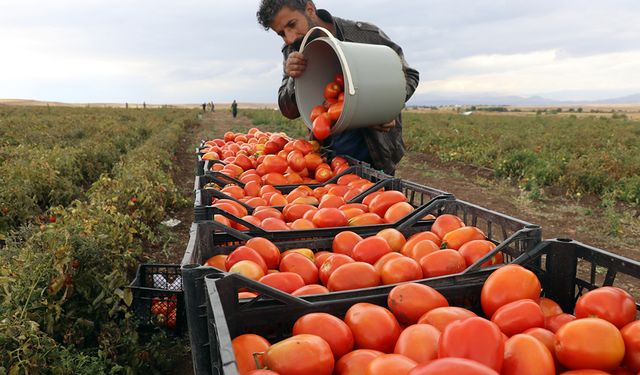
(374, 82)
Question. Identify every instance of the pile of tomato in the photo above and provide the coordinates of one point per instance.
(325, 115)
(418, 333)
(355, 262)
(164, 311)
(270, 158)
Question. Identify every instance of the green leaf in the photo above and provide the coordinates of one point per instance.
(128, 296)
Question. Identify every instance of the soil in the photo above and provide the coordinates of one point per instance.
(580, 218)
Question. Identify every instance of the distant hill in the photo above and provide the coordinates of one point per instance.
(432, 100)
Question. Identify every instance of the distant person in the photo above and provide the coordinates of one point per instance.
(204, 107)
(234, 109)
(381, 144)
(144, 105)
(213, 107)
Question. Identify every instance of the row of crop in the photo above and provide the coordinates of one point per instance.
(50, 161)
(62, 295)
(578, 155)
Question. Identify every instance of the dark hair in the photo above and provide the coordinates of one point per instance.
(269, 8)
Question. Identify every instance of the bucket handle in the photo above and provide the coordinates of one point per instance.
(347, 72)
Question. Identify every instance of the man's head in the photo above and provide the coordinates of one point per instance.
(291, 19)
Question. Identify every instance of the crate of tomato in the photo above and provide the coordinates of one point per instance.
(503, 239)
(562, 284)
(158, 299)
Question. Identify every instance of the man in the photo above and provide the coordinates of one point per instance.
(382, 144)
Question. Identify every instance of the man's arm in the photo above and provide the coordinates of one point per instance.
(287, 98)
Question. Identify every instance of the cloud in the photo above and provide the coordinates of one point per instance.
(538, 72)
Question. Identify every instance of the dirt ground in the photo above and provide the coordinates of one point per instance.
(578, 218)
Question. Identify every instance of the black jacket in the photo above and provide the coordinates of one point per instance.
(386, 149)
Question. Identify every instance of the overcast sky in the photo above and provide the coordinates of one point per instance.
(192, 51)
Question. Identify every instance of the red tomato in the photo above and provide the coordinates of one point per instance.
(441, 317)
(295, 159)
(285, 281)
(399, 270)
(356, 362)
(445, 223)
(338, 161)
(428, 235)
(323, 174)
(381, 202)
(344, 242)
(589, 343)
(545, 336)
(585, 372)
(422, 249)
(442, 262)
(331, 201)
(370, 249)
(244, 346)
(329, 217)
(397, 211)
(331, 264)
(394, 238)
(384, 259)
(507, 284)
(321, 256)
(300, 355)
(248, 268)
(339, 79)
(267, 250)
(458, 237)
(300, 264)
(474, 338)
(217, 261)
(333, 330)
(355, 275)
(275, 164)
(553, 323)
(609, 303)
(332, 90)
(476, 249)
(450, 366)
(631, 336)
(391, 364)
(373, 327)
(310, 289)
(518, 316)
(410, 301)
(525, 355)
(317, 111)
(549, 307)
(321, 126)
(262, 372)
(335, 111)
(367, 218)
(294, 211)
(418, 342)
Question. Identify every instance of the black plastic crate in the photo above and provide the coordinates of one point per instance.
(419, 196)
(158, 299)
(513, 236)
(571, 268)
(222, 180)
(204, 196)
(566, 270)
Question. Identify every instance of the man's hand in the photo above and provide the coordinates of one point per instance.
(295, 65)
(385, 127)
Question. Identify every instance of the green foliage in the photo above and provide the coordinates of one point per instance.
(577, 155)
(62, 284)
(51, 155)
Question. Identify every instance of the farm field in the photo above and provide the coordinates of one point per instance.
(99, 182)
